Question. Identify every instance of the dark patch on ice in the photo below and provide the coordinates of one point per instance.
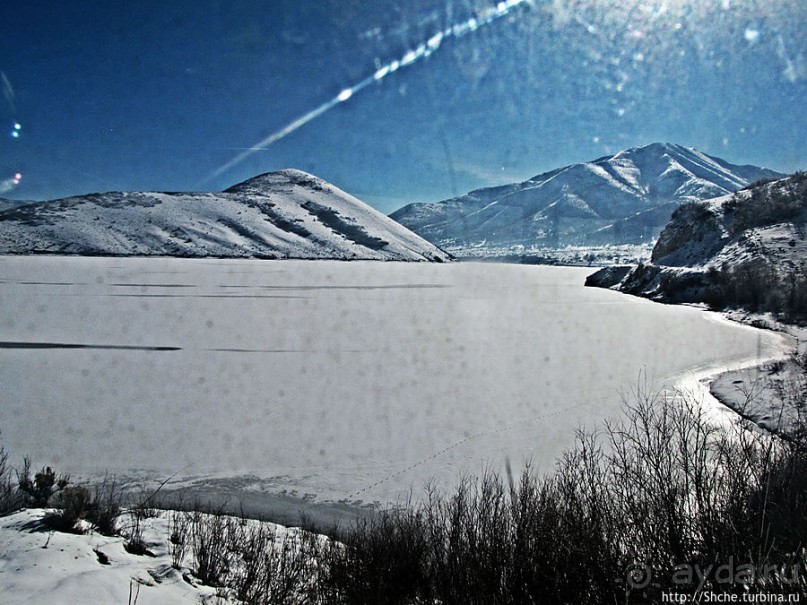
(72, 345)
(154, 285)
(202, 296)
(385, 287)
(226, 350)
(242, 350)
(43, 283)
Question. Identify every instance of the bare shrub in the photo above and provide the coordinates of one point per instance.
(10, 496)
(274, 569)
(209, 545)
(178, 536)
(38, 489)
(105, 508)
(73, 503)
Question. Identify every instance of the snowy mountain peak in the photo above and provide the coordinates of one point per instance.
(654, 149)
(284, 214)
(271, 181)
(625, 198)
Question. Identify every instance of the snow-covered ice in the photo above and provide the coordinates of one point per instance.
(325, 380)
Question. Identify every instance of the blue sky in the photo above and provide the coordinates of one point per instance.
(152, 95)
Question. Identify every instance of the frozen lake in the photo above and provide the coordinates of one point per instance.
(331, 381)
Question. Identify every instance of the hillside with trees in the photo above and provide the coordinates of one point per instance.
(746, 250)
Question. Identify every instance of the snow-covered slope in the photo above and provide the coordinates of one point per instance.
(748, 249)
(620, 199)
(39, 566)
(285, 214)
(765, 221)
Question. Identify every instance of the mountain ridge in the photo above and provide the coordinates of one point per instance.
(625, 198)
(283, 214)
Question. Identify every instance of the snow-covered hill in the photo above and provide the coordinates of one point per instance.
(622, 199)
(285, 214)
(745, 250)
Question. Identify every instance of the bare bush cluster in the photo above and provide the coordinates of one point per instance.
(105, 509)
(247, 560)
(73, 504)
(661, 492)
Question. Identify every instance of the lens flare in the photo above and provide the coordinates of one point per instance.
(483, 17)
(8, 184)
(8, 92)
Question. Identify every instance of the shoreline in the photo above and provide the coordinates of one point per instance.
(719, 387)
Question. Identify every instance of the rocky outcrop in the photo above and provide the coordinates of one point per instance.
(747, 250)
